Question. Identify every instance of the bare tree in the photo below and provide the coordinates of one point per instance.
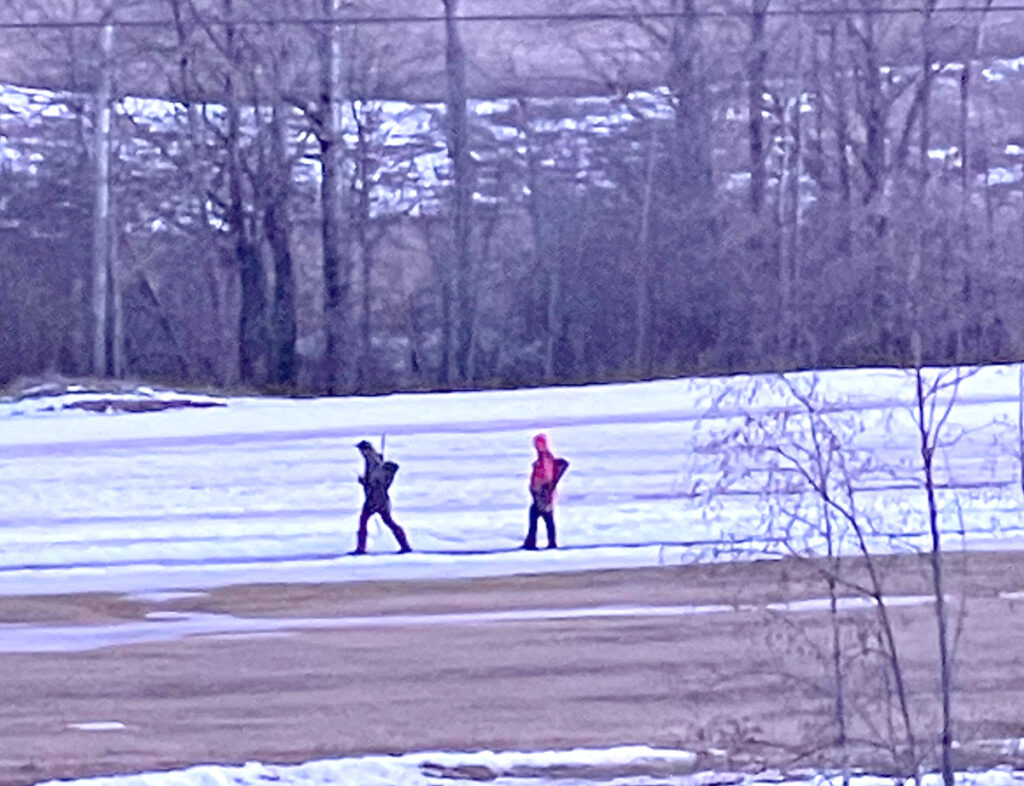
(789, 218)
(757, 65)
(277, 228)
(552, 192)
(920, 252)
(542, 257)
(253, 330)
(103, 364)
(330, 134)
(645, 263)
(931, 416)
(459, 303)
(966, 169)
(802, 453)
(842, 136)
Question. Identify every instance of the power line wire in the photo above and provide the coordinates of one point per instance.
(587, 17)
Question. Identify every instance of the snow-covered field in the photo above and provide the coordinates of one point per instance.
(265, 488)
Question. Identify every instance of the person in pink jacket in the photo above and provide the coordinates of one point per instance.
(547, 471)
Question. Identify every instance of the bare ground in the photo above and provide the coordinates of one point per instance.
(745, 688)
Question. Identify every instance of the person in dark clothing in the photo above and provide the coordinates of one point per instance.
(376, 480)
(547, 471)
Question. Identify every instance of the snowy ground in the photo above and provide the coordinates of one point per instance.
(96, 497)
(633, 765)
(264, 489)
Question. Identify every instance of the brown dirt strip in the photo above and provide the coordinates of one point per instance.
(744, 681)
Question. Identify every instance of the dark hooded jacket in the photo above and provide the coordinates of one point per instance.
(376, 478)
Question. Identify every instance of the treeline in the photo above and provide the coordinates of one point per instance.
(794, 190)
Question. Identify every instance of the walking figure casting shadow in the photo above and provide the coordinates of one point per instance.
(376, 480)
(547, 471)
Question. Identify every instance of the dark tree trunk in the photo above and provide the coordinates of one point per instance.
(874, 111)
(365, 245)
(457, 131)
(253, 331)
(101, 236)
(277, 229)
(336, 272)
(842, 139)
(756, 66)
(693, 170)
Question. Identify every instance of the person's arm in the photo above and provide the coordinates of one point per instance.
(364, 479)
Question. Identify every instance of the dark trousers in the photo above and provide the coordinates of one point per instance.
(385, 513)
(531, 533)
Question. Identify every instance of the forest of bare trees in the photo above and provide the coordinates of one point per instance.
(305, 196)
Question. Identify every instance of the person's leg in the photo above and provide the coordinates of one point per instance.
(531, 534)
(549, 520)
(397, 531)
(364, 518)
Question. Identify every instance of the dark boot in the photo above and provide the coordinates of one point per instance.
(398, 532)
(403, 542)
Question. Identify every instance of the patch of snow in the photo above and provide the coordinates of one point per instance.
(164, 597)
(579, 767)
(1002, 175)
(848, 604)
(943, 153)
(167, 615)
(737, 181)
(491, 107)
(39, 402)
(98, 726)
(413, 769)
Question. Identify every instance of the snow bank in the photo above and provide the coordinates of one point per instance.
(632, 764)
